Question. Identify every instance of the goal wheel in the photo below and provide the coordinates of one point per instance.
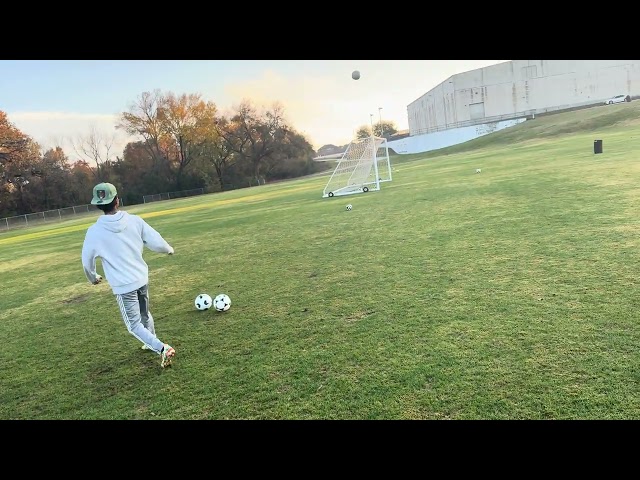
(365, 189)
(331, 194)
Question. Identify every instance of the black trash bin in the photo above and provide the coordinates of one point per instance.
(597, 146)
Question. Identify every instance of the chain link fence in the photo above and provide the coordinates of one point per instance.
(171, 195)
(32, 219)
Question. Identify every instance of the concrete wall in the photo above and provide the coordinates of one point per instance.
(521, 88)
(446, 138)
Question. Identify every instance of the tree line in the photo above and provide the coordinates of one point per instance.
(184, 143)
(381, 129)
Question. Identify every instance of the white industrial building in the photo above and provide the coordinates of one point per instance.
(478, 102)
(520, 89)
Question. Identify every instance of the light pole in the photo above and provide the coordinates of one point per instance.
(371, 116)
(380, 116)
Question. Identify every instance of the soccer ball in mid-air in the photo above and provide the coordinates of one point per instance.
(203, 302)
(355, 74)
(222, 302)
(349, 207)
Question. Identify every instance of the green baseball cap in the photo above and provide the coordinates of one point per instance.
(103, 194)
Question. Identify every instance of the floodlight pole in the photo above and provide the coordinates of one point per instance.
(380, 116)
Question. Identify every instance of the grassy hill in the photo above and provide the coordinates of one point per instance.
(510, 294)
(596, 120)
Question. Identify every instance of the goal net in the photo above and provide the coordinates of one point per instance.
(362, 168)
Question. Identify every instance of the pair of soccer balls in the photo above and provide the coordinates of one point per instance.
(221, 303)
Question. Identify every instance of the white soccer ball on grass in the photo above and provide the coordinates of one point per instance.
(203, 302)
(222, 302)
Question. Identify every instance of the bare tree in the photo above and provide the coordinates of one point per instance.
(95, 147)
(218, 148)
(145, 119)
(257, 136)
(187, 120)
(173, 128)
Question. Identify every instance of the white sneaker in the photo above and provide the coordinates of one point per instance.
(167, 355)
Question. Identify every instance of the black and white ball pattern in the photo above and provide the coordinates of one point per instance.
(222, 302)
(349, 207)
(203, 302)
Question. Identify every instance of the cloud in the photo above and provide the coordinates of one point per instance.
(329, 106)
(53, 129)
(309, 102)
(320, 99)
(327, 109)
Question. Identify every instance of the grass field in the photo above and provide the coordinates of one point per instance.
(510, 294)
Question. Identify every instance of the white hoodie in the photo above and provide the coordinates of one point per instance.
(119, 240)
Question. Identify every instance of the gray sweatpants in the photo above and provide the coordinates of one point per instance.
(134, 307)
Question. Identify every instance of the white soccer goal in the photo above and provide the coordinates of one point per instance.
(362, 168)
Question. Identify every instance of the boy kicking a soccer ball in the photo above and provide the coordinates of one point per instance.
(118, 239)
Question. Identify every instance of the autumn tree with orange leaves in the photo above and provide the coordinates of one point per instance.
(13, 144)
(180, 142)
(19, 155)
(179, 131)
(173, 128)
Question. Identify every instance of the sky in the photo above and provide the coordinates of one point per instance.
(57, 102)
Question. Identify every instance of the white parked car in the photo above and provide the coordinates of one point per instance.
(618, 99)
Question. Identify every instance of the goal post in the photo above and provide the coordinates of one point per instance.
(362, 168)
